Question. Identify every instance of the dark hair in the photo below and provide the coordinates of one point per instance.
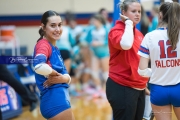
(70, 16)
(44, 20)
(101, 10)
(100, 18)
(171, 17)
(125, 3)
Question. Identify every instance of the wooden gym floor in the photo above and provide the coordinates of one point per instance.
(84, 108)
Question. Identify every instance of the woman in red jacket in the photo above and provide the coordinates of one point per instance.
(125, 88)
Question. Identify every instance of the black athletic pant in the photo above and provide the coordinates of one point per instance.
(127, 103)
(0, 115)
(7, 77)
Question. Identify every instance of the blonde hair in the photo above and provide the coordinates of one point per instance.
(155, 8)
(123, 4)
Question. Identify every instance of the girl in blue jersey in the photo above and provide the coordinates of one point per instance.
(51, 75)
(162, 48)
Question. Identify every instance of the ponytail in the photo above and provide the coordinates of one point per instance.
(171, 18)
(41, 33)
(174, 24)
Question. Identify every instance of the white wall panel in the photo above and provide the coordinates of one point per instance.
(9, 7)
(32, 6)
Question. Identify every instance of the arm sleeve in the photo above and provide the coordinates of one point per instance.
(144, 48)
(43, 69)
(127, 39)
(126, 35)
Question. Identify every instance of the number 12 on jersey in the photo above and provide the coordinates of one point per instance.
(170, 52)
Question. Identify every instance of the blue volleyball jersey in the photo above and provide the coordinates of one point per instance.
(53, 58)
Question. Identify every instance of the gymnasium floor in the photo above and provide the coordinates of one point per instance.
(84, 108)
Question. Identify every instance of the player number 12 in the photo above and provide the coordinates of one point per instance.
(170, 52)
